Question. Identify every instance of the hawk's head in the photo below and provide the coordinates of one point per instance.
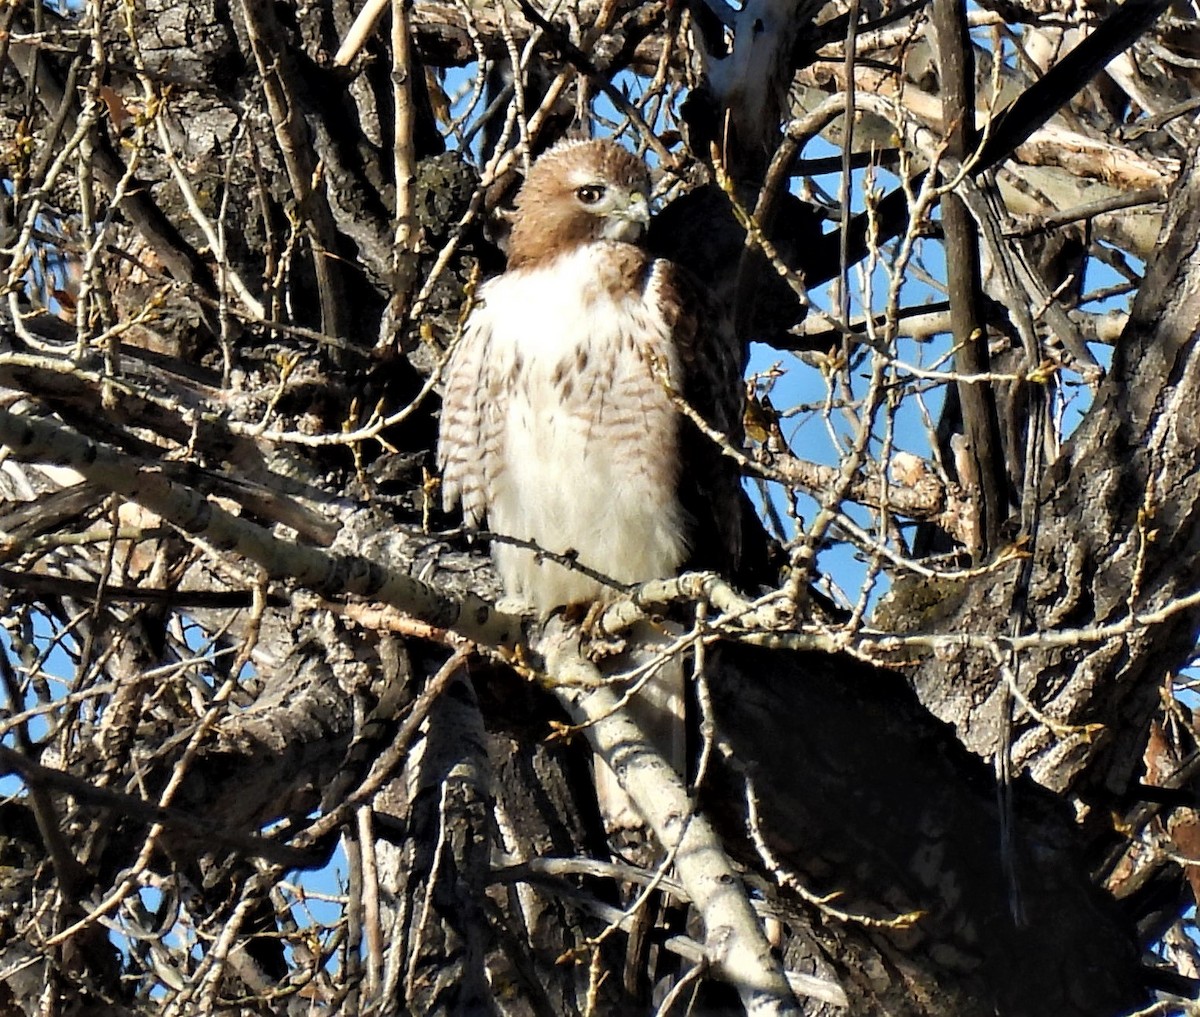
(576, 193)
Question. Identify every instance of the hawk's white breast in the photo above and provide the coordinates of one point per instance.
(589, 456)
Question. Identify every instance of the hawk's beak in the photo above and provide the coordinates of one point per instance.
(637, 209)
(627, 221)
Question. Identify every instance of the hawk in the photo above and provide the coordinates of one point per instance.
(558, 424)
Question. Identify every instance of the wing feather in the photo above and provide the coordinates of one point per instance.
(711, 362)
(470, 451)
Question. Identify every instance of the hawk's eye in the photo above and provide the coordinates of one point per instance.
(589, 194)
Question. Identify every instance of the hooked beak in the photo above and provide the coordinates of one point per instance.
(638, 209)
(627, 221)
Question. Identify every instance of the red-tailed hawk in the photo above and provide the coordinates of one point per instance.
(556, 423)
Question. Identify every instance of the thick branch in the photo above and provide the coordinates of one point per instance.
(981, 422)
(287, 116)
(737, 946)
(331, 575)
(149, 813)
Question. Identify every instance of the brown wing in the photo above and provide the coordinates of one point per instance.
(470, 443)
(712, 363)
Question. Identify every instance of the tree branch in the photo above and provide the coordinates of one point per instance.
(981, 421)
(38, 776)
(734, 937)
(330, 574)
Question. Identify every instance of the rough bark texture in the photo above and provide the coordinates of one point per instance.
(1115, 538)
(864, 794)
